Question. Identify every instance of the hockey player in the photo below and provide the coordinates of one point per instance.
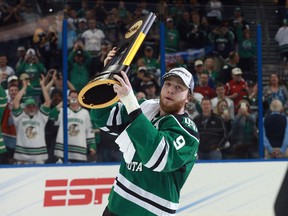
(159, 144)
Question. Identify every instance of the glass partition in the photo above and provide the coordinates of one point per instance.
(218, 44)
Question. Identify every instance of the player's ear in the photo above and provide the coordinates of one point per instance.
(189, 96)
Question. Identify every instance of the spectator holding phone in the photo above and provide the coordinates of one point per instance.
(79, 62)
(244, 137)
(32, 68)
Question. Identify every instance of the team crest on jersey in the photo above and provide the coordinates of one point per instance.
(30, 132)
(73, 130)
(190, 123)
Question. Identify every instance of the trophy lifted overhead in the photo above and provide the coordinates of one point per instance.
(99, 93)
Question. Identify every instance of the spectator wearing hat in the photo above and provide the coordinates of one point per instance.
(5, 71)
(238, 20)
(79, 62)
(151, 62)
(11, 81)
(247, 52)
(236, 88)
(198, 70)
(172, 37)
(226, 71)
(30, 127)
(29, 90)
(82, 27)
(32, 68)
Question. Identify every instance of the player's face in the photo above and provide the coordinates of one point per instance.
(174, 95)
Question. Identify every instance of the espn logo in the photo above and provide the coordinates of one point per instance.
(61, 192)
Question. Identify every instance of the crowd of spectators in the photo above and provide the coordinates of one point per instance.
(224, 106)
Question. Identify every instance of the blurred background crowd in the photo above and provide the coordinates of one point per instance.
(215, 40)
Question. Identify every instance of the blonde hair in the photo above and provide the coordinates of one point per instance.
(216, 109)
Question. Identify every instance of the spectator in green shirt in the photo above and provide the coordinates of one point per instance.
(79, 64)
(32, 68)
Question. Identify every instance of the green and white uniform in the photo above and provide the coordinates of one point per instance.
(159, 153)
(30, 140)
(80, 135)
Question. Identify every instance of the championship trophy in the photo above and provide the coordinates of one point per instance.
(99, 93)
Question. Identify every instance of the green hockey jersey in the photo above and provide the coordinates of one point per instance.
(159, 153)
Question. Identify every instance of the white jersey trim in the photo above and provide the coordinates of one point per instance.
(159, 157)
(185, 129)
(145, 199)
